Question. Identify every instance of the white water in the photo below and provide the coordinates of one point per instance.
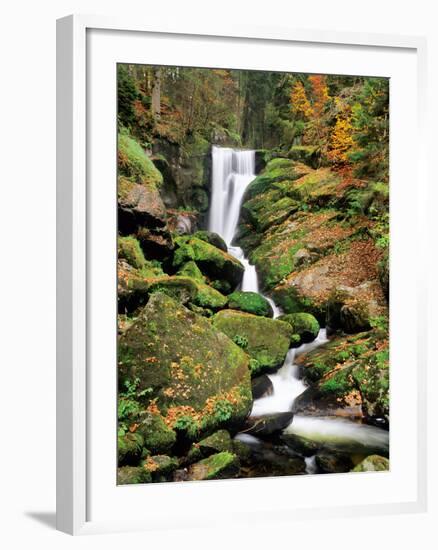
(233, 171)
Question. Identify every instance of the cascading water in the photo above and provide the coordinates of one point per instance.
(233, 171)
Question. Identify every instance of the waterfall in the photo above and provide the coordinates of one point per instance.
(233, 171)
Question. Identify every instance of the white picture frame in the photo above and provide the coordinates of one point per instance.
(76, 394)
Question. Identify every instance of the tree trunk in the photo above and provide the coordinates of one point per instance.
(156, 93)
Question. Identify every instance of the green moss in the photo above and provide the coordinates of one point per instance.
(304, 325)
(372, 463)
(134, 164)
(212, 238)
(268, 339)
(200, 379)
(309, 154)
(129, 448)
(218, 466)
(157, 436)
(129, 249)
(250, 302)
(218, 442)
(190, 269)
(160, 466)
(213, 262)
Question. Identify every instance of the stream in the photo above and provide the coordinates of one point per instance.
(233, 170)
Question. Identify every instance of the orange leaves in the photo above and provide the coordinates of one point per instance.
(299, 102)
(320, 94)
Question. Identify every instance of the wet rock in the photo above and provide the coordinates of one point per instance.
(267, 425)
(261, 386)
(333, 463)
(300, 444)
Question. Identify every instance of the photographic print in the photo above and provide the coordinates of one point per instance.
(253, 274)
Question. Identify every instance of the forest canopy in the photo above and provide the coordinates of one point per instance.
(342, 120)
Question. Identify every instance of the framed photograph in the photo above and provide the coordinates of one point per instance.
(240, 303)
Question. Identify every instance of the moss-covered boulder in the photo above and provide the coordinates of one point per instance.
(250, 302)
(303, 324)
(212, 261)
(350, 377)
(372, 463)
(222, 465)
(190, 375)
(353, 269)
(129, 448)
(129, 475)
(213, 238)
(158, 436)
(309, 154)
(160, 466)
(216, 443)
(128, 248)
(267, 340)
(190, 269)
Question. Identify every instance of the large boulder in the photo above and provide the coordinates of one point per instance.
(265, 340)
(188, 374)
(212, 261)
(303, 324)
(250, 302)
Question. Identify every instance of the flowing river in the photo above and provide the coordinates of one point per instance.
(233, 171)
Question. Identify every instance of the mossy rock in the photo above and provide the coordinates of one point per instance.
(212, 261)
(157, 436)
(352, 378)
(213, 238)
(134, 164)
(186, 290)
(372, 463)
(128, 248)
(130, 475)
(303, 324)
(190, 269)
(129, 448)
(250, 302)
(276, 170)
(224, 465)
(309, 154)
(267, 339)
(216, 443)
(197, 380)
(160, 466)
